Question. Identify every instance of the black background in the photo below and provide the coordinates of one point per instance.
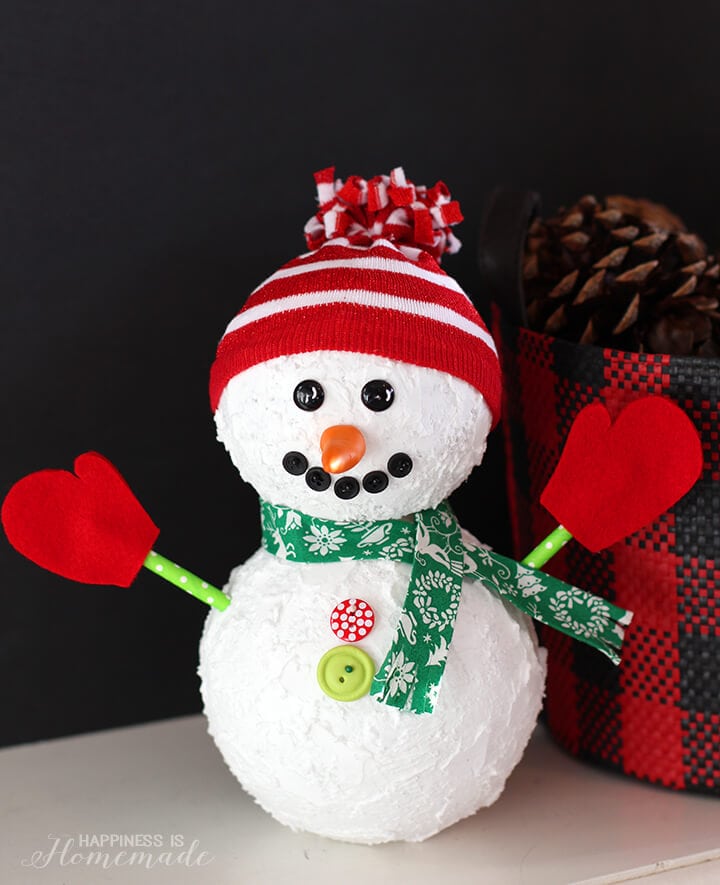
(156, 164)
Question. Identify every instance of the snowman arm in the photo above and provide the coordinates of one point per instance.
(547, 548)
(186, 581)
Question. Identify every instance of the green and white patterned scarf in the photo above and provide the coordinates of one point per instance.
(409, 677)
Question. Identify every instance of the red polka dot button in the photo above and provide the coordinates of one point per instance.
(352, 620)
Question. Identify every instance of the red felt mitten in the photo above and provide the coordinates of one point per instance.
(614, 478)
(87, 526)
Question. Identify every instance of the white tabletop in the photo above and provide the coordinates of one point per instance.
(558, 822)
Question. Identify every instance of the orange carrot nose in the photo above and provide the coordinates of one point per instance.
(342, 446)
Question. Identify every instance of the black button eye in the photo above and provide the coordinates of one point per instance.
(309, 395)
(378, 395)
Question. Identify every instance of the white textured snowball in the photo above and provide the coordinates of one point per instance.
(440, 421)
(363, 771)
(360, 771)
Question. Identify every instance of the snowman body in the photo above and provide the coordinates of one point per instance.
(360, 771)
(363, 771)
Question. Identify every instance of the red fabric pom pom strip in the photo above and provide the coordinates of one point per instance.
(415, 218)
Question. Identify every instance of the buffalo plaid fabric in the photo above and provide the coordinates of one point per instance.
(657, 715)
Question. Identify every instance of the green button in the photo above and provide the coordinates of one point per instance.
(345, 673)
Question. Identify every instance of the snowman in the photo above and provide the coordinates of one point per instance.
(362, 684)
(371, 673)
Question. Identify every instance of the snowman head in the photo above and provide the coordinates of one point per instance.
(359, 382)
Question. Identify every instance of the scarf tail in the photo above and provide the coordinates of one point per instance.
(595, 621)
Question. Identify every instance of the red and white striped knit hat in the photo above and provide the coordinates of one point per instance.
(371, 284)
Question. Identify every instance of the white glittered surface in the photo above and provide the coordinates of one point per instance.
(440, 421)
(363, 771)
(360, 771)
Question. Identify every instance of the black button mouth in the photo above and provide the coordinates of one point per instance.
(317, 479)
(347, 487)
(375, 481)
(295, 463)
(399, 465)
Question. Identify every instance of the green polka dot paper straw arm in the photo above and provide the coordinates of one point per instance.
(547, 548)
(186, 581)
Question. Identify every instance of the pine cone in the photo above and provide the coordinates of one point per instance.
(623, 273)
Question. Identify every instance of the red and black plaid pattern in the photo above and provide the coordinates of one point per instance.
(657, 715)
